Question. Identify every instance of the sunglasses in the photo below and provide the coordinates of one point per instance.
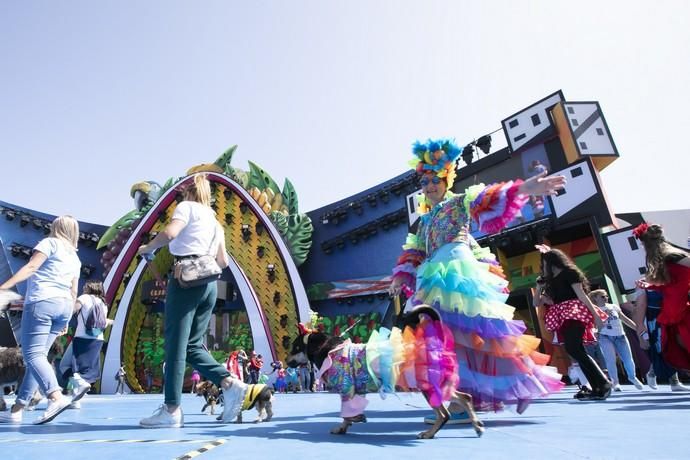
(425, 181)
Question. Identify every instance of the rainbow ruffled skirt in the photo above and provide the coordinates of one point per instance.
(498, 364)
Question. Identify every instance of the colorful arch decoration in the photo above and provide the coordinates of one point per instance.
(261, 263)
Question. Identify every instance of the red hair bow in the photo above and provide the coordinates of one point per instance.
(640, 230)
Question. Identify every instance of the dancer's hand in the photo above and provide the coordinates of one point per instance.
(542, 185)
(396, 287)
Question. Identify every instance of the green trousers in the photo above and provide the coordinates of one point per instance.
(187, 315)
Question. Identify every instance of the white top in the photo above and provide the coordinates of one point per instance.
(53, 279)
(196, 236)
(87, 302)
(613, 325)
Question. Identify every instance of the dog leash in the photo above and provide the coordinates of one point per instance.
(148, 257)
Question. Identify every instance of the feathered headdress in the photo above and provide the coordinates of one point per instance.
(437, 157)
(640, 230)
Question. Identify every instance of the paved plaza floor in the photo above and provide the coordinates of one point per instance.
(630, 425)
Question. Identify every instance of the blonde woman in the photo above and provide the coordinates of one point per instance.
(52, 275)
(192, 231)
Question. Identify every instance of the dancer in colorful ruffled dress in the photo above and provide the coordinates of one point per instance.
(668, 272)
(498, 365)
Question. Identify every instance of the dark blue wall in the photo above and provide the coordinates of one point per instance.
(13, 232)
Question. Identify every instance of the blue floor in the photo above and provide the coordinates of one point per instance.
(629, 425)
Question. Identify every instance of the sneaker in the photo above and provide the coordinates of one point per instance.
(677, 386)
(80, 387)
(55, 408)
(617, 387)
(602, 394)
(11, 418)
(637, 384)
(161, 418)
(584, 393)
(74, 405)
(456, 418)
(651, 381)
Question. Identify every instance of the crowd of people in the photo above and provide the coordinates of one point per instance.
(442, 266)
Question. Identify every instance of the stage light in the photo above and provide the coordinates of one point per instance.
(357, 207)
(276, 298)
(503, 242)
(260, 251)
(246, 232)
(468, 154)
(87, 271)
(484, 143)
(38, 223)
(271, 271)
(259, 228)
(10, 214)
(24, 221)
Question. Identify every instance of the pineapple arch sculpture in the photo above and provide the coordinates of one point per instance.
(266, 238)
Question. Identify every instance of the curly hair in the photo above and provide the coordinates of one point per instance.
(555, 258)
(657, 249)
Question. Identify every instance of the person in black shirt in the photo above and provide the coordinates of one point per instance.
(573, 316)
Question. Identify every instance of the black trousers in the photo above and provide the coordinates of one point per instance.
(573, 332)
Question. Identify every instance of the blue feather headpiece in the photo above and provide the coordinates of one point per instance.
(437, 157)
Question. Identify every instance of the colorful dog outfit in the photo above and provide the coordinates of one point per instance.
(420, 359)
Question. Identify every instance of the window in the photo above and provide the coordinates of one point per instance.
(520, 137)
(571, 110)
(513, 124)
(632, 241)
(535, 119)
(583, 145)
(574, 122)
(600, 131)
(576, 172)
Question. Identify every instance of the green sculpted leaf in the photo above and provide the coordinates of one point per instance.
(280, 220)
(238, 175)
(319, 291)
(260, 179)
(123, 221)
(225, 159)
(298, 237)
(290, 197)
(168, 183)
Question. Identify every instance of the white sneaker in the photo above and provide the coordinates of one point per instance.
(617, 387)
(651, 381)
(161, 418)
(637, 383)
(74, 405)
(11, 418)
(79, 387)
(54, 409)
(677, 386)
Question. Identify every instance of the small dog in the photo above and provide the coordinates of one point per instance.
(12, 370)
(240, 396)
(317, 347)
(211, 394)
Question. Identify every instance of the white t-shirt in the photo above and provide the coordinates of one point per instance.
(613, 325)
(53, 279)
(198, 234)
(87, 303)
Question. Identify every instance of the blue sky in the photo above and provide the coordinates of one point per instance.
(95, 96)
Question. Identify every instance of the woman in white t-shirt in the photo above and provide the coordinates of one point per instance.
(612, 339)
(192, 232)
(51, 277)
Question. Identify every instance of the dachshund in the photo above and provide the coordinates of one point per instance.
(318, 347)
